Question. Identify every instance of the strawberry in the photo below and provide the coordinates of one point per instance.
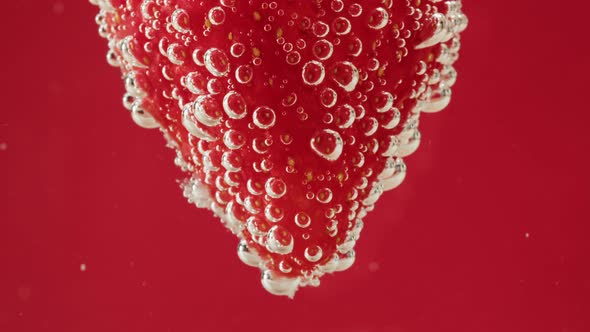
(291, 118)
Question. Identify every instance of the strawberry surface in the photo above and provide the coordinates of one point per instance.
(291, 118)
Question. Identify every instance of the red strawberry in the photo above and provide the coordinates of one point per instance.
(291, 117)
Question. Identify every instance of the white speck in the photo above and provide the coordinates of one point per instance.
(527, 235)
(3, 146)
(82, 267)
(373, 267)
(58, 8)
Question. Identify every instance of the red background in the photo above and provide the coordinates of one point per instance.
(489, 232)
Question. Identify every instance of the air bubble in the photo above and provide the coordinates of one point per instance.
(228, 3)
(244, 74)
(231, 161)
(449, 76)
(378, 18)
(254, 187)
(253, 204)
(246, 255)
(279, 240)
(289, 100)
(393, 174)
(440, 26)
(331, 265)
(320, 29)
(132, 86)
(421, 68)
(141, 117)
(128, 101)
(275, 187)
(346, 75)
(285, 267)
(337, 5)
(128, 48)
(259, 146)
(233, 139)
(273, 213)
(191, 124)
(264, 117)
(234, 105)
(237, 50)
(384, 102)
(279, 285)
(163, 45)
(286, 139)
(313, 253)
(369, 126)
(323, 49)
(207, 111)
(439, 99)
(300, 43)
(302, 220)
(373, 64)
(393, 119)
(346, 262)
(410, 145)
(347, 245)
(148, 7)
(355, 10)
(358, 159)
(293, 58)
(196, 83)
(328, 97)
(374, 194)
(113, 59)
(176, 54)
(344, 116)
(198, 56)
(216, 62)
(216, 15)
(327, 144)
(180, 21)
(324, 195)
(355, 47)
(266, 165)
(313, 73)
(341, 26)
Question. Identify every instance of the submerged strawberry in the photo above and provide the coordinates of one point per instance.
(291, 117)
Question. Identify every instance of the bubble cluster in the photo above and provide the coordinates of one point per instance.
(291, 118)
